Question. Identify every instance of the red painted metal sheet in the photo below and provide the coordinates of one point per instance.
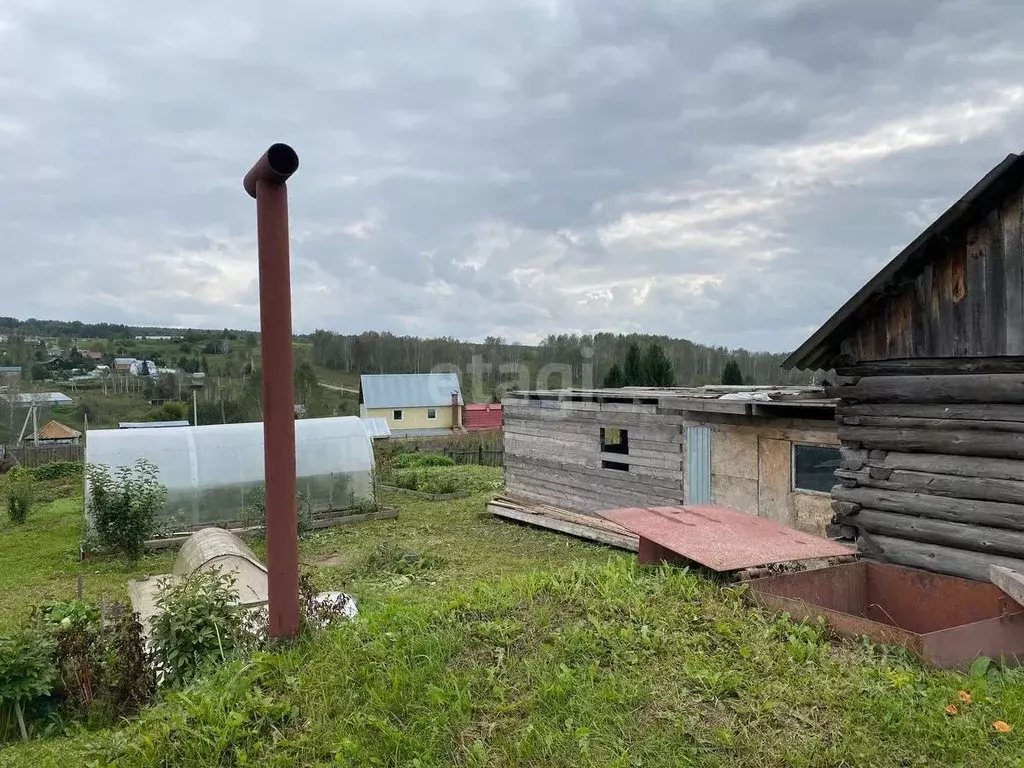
(482, 417)
(946, 620)
(723, 539)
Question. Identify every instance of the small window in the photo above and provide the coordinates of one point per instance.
(614, 440)
(396, 415)
(431, 413)
(813, 467)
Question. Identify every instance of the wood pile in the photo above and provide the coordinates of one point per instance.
(933, 470)
(562, 520)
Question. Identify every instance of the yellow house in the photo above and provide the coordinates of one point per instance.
(413, 403)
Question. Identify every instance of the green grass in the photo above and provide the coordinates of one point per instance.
(482, 643)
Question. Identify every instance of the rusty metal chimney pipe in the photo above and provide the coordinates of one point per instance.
(265, 181)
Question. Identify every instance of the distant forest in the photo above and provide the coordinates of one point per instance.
(501, 364)
(492, 365)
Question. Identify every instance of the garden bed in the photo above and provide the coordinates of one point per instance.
(425, 495)
(317, 523)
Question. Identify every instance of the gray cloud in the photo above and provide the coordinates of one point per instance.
(726, 171)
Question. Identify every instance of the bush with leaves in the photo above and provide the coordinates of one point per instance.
(124, 504)
(27, 670)
(56, 470)
(103, 667)
(405, 460)
(198, 623)
(19, 493)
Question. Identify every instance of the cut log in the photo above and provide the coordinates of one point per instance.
(995, 514)
(975, 388)
(934, 557)
(1009, 491)
(1008, 445)
(853, 458)
(907, 422)
(845, 508)
(922, 366)
(976, 538)
(986, 412)
(942, 464)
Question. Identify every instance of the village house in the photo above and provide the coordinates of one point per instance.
(55, 433)
(413, 404)
(931, 403)
(767, 451)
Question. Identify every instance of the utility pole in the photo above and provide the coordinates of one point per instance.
(266, 183)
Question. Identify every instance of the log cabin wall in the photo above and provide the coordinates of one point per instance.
(931, 417)
(933, 469)
(553, 455)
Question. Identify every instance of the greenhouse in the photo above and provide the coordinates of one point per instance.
(213, 473)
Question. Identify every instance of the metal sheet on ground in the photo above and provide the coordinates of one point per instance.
(723, 539)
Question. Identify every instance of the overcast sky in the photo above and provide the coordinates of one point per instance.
(725, 171)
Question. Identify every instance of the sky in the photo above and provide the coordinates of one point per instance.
(726, 171)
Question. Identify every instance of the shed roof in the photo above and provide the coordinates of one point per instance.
(821, 349)
(408, 390)
(40, 398)
(740, 400)
(10, 369)
(376, 427)
(57, 431)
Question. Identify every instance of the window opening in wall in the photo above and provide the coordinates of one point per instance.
(614, 440)
(431, 413)
(814, 467)
(396, 415)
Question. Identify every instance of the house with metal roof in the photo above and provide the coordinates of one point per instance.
(55, 433)
(413, 404)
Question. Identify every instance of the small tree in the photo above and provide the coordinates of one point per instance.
(614, 378)
(633, 376)
(731, 375)
(657, 368)
(124, 504)
(19, 494)
(28, 670)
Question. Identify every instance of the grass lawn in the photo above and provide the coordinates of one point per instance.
(481, 643)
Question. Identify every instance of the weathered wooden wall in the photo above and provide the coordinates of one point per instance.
(552, 455)
(933, 471)
(967, 302)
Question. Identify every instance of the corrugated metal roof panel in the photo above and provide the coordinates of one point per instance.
(152, 424)
(57, 431)
(409, 390)
(376, 427)
(51, 398)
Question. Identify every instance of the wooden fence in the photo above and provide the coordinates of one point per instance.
(480, 455)
(30, 456)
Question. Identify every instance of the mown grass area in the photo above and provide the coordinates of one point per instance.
(481, 643)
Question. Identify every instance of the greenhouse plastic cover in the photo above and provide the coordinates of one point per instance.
(210, 470)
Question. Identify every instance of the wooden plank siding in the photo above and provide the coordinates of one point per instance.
(967, 301)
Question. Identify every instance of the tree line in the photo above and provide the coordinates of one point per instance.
(559, 360)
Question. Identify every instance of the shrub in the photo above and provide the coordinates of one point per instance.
(19, 495)
(197, 624)
(27, 670)
(405, 460)
(56, 470)
(103, 668)
(124, 505)
(254, 511)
